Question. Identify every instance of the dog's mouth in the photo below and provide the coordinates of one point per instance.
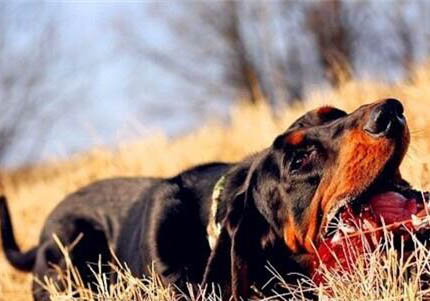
(395, 207)
(357, 225)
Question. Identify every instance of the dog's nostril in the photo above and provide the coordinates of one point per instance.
(378, 122)
(386, 118)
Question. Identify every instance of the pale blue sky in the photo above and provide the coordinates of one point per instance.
(126, 98)
(111, 112)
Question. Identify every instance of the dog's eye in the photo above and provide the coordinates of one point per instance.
(299, 160)
(302, 159)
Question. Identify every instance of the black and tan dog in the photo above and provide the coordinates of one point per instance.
(272, 206)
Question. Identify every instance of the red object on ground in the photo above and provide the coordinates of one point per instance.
(358, 233)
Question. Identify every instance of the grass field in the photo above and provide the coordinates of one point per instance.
(34, 191)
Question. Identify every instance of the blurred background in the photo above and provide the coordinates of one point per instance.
(74, 75)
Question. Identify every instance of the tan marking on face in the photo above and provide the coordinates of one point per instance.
(296, 138)
(360, 161)
(291, 236)
(325, 110)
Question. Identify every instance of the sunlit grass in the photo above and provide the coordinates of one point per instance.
(125, 287)
(34, 191)
(385, 273)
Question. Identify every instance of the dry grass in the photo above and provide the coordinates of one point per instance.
(34, 191)
(381, 274)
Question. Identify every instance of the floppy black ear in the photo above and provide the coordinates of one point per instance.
(237, 258)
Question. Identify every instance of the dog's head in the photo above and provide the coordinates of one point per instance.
(326, 161)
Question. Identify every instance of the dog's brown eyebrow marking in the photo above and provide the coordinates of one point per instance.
(327, 113)
(324, 110)
(296, 138)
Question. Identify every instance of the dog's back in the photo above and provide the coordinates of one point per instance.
(89, 219)
(131, 217)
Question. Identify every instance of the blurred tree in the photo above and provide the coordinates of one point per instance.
(226, 47)
(334, 39)
(239, 69)
(404, 33)
(29, 77)
(278, 50)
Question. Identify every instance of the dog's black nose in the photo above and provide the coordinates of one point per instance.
(386, 119)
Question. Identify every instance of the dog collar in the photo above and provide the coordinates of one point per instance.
(214, 229)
